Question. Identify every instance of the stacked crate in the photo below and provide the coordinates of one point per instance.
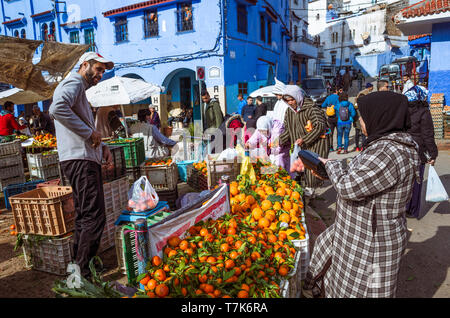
(11, 164)
(116, 200)
(447, 122)
(436, 109)
(163, 178)
(134, 151)
(43, 165)
(46, 219)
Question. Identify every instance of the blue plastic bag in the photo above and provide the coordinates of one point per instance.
(435, 189)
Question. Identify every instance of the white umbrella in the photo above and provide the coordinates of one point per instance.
(19, 96)
(263, 92)
(121, 91)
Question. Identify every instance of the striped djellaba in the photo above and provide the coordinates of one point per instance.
(313, 139)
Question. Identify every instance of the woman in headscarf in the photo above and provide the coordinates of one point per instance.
(305, 125)
(259, 141)
(422, 131)
(279, 153)
(359, 255)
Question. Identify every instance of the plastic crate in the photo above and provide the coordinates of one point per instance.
(46, 173)
(182, 169)
(303, 246)
(291, 286)
(47, 211)
(13, 180)
(12, 171)
(219, 168)
(51, 256)
(133, 174)
(192, 176)
(10, 148)
(116, 195)
(107, 240)
(119, 167)
(170, 196)
(133, 148)
(54, 182)
(42, 159)
(9, 161)
(161, 177)
(18, 188)
(126, 248)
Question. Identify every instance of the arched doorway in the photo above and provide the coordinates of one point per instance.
(182, 91)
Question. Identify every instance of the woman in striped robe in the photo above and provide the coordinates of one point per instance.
(305, 125)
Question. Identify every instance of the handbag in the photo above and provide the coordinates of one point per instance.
(331, 111)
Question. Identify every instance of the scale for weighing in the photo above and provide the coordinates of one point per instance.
(131, 216)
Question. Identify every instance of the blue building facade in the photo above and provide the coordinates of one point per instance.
(243, 44)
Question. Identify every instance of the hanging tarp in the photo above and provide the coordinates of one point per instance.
(420, 41)
(19, 96)
(17, 68)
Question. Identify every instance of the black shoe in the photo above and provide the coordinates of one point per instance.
(410, 216)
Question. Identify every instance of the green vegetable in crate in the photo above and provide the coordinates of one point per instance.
(142, 196)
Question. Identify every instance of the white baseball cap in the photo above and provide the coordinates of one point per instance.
(97, 57)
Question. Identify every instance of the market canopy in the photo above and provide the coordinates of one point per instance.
(17, 68)
(121, 91)
(19, 96)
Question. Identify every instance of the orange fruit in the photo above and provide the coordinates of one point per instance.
(257, 214)
(266, 205)
(156, 260)
(242, 294)
(211, 260)
(224, 247)
(238, 244)
(12, 227)
(174, 241)
(231, 231)
(270, 215)
(160, 275)
(284, 217)
(234, 255)
(161, 290)
(287, 205)
(255, 255)
(263, 223)
(202, 278)
(277, 206)
(283, 270)
(229, 263)
(184, 245)
(145, 280)
(204, 232)
(234, 190)
(280, 192)
(151, 284)
(245, 287)
(295, 195)
(172, 253)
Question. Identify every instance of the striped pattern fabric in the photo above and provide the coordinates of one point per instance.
(368, 238)
(295, 128)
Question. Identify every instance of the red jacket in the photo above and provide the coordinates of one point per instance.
(7, 125)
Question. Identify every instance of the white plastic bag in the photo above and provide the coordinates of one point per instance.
(294, 157)
(435, 189)
(142, 196)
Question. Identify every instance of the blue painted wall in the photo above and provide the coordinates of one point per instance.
(170, 55)
(440, 61)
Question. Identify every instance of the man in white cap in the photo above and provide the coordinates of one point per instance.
(81, 152)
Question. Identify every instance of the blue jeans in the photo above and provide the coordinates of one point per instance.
(345, 131)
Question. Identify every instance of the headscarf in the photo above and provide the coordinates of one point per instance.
(264, 123)
(295, 92)
(384, 113)
(23, 119)
(279, 87)
(417, 93)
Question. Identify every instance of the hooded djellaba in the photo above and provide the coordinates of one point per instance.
(279, 155)
(359, 254)
(306, 122)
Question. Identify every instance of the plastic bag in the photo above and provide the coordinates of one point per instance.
(294, 157)
(142, 196)
(435, 189)
(246, 166)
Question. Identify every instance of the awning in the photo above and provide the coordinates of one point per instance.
(17, 68)
(20, 97)
(421, 41)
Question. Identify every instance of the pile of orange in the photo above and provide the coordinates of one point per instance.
(45, 140)
(242, 254)
(161, 162)
(201, 167)
(223, 258)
